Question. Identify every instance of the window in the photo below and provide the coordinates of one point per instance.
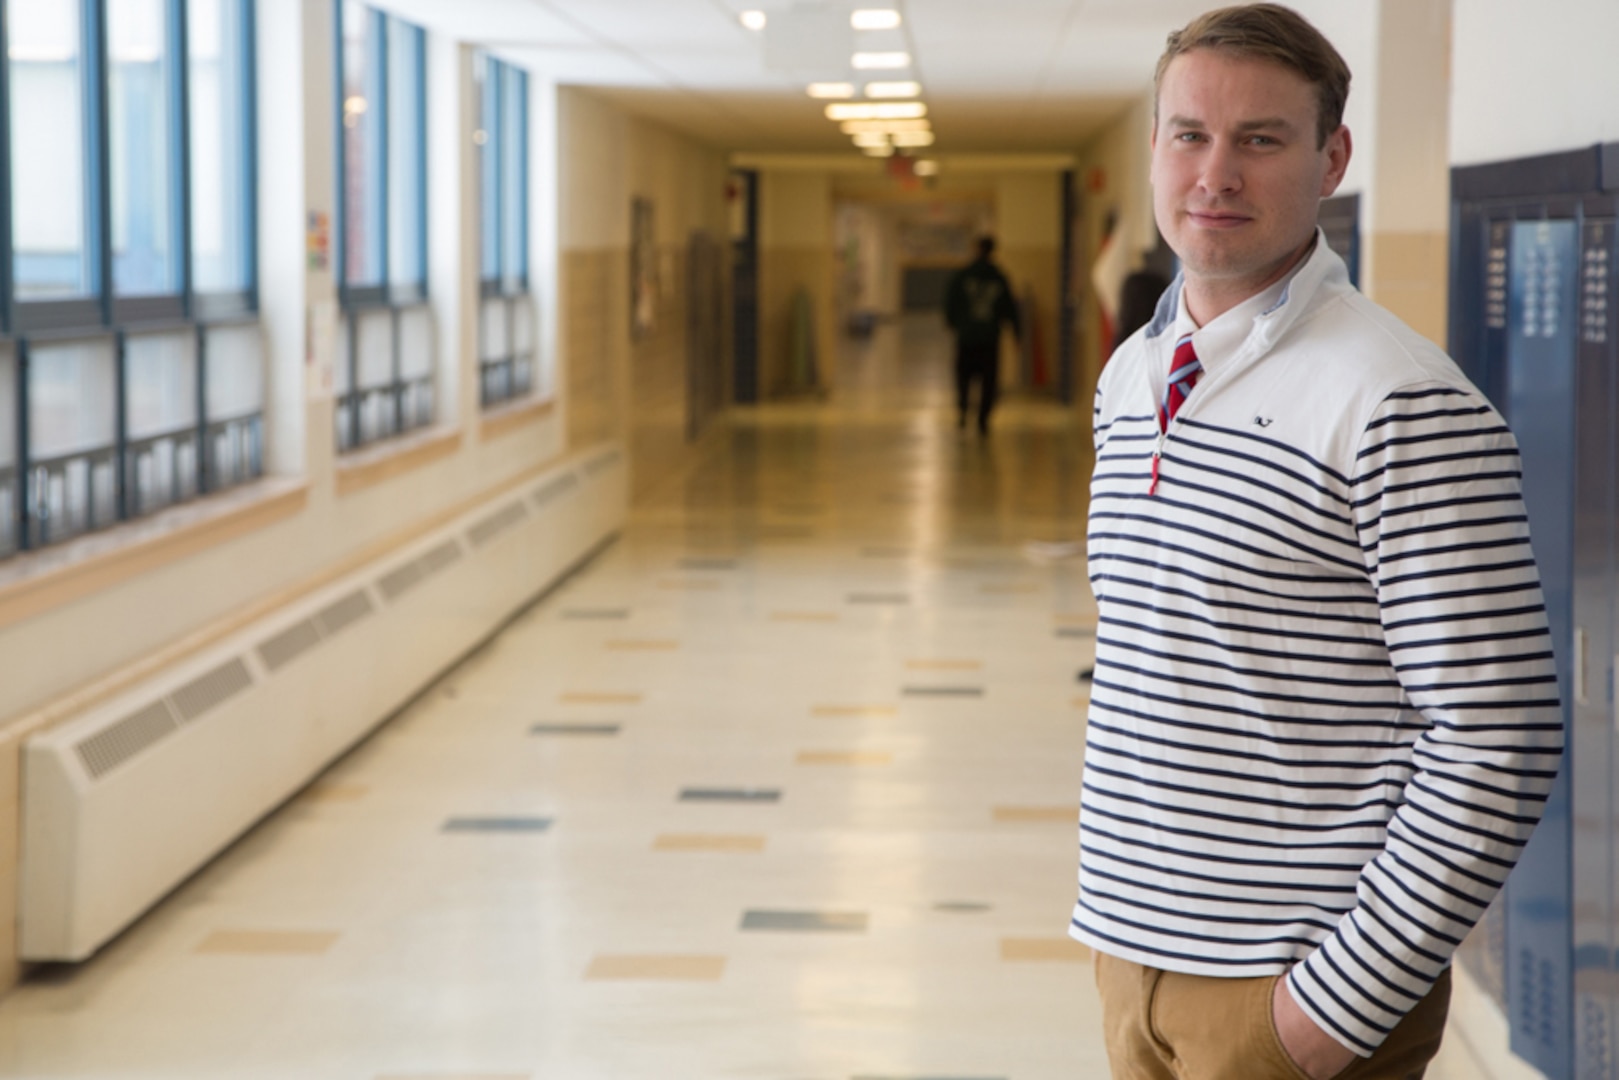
(141, 92)
(506, 319)
(220, 120)
(131, 356)
(51, 148)
(385, 377)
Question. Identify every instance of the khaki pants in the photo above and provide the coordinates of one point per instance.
(1161, 1025)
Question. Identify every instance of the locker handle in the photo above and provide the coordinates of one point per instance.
(1580, 656)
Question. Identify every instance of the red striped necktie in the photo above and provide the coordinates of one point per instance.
(1184, 370)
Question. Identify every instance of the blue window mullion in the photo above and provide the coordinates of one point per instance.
(98, 177)
(180, 152)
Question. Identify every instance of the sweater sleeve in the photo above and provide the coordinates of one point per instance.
(1437, 501)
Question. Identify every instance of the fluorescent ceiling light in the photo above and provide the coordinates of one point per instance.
(927, 168)
(878, 151)
(870, 138)
(831, 90)
(753, 20)
(888, 110)
(887, 127)
(913, 138)
(893, 89)
(874, 19)
(880, 61)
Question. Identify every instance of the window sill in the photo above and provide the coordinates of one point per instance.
(505, 419)
(35, 582)
(374, 465)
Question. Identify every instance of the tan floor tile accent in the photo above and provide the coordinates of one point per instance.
(586, 697)
(873, 712)
(1082, 703)
(1023, 815)
(740, 844)
(456, 1076)
(671, 968)
(698, 585)
(945, 665)
(629, 645)
(1044, 950)
(1011, 588)
(1073, 619)
(845, 757)
(336, 793)
(804, 616)
(268, 942)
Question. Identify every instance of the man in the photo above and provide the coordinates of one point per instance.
(976, 302)
(1324, 717)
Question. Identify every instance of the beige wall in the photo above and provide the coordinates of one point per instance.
(1121, 158)
(1405, 226)
(620, 386)
(795, 253)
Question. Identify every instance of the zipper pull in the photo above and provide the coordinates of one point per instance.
(1157, 452)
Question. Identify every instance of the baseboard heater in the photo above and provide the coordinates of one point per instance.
(125, 801)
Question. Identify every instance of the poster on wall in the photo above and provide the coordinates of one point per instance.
(643, 270)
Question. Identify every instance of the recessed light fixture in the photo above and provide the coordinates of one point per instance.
(880, 61)
(888, 110)
(871, 138)
(893, 89)
(913, 138)
(831, 90)
(874, 19)
(927, 167)
(878, 151)
(753, 20)
(855, 127)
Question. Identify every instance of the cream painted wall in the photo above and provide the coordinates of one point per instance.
(1532, 78)
(795, 252)
(618, 386)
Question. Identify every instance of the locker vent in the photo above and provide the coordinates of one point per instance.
(213, 689)
(351, 609)
(112, 746)
(396, 583)
(551, 489)
(440, 557)
(282, 649)
(496, 523)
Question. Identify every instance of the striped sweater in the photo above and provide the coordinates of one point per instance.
(1325, 716)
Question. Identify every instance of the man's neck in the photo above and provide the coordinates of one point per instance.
(1209, 298)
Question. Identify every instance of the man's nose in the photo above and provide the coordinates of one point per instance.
(1221, 174)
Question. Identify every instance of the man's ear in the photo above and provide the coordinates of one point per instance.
(1339, 148)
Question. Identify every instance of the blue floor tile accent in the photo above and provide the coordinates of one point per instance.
(1076, 632)
(597, 613)
(813, 922)
(943, 691)
(498, 824)
(964, 907)
(730, 795)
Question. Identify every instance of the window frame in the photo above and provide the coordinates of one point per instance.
(498, 384)
(105, 315)
(357, 302)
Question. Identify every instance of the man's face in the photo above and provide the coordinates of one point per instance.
(1237, 174)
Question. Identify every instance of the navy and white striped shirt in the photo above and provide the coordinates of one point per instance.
(1325, 716)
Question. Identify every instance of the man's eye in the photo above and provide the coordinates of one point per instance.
(1191, 136)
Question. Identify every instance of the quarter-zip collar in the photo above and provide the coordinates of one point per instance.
(1238, 337)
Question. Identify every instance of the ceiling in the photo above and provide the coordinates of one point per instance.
(1001, 76)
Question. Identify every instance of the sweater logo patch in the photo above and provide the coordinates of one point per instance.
(1264, 421)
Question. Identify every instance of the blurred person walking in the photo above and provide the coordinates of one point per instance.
(977, 301)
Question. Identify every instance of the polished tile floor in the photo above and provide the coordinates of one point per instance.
(783, 786)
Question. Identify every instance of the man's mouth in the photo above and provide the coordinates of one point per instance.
(1217, 219)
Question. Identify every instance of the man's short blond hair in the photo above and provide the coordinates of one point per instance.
(1275, 33)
